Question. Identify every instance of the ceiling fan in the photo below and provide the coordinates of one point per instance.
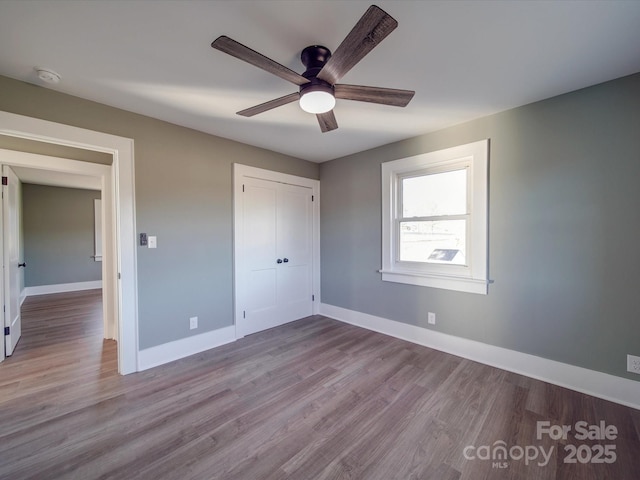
(318, 84)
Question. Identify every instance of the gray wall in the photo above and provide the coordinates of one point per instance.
(564, 227)
(183, 194)
(58, 234)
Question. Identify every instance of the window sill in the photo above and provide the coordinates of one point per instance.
(446, 282)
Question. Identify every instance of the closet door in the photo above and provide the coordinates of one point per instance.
(294, 247)
(274, 253)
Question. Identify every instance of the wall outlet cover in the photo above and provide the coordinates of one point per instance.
(633, 364)
(431, 318)
(193, 323)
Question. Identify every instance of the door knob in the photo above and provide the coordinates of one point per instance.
(22, 264)
(286, 260)
(279, 261)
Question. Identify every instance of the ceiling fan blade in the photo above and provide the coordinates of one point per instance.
(236, 49)
(263, 107)
(371, 29)
(385, 96)
(327, 121)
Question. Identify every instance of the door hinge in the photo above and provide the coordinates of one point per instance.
(242, 188)
(5, 180)
(312, 198)
(7, 330)
(244, 314)
(313, 298)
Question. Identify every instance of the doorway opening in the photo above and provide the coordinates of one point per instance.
(118, 235)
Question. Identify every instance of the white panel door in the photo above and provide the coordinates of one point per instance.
(11, 260)
(260, 212)
(294, 234)
(274, 255)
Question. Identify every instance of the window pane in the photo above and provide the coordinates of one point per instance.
(442, 241)
(436, 194)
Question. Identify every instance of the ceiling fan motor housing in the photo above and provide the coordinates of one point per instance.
(313, 58)
(316, 85)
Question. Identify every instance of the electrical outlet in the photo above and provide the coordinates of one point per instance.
(633, 364)
(193, 323)
(431, 318)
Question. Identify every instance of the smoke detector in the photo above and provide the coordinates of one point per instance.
(47, 75)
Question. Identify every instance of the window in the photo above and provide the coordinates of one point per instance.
(434, 222)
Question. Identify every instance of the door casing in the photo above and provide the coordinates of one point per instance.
(119, 269)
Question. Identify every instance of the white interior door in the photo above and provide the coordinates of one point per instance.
(294, 247)
(274, 254)
(11, 226)
(260, 256)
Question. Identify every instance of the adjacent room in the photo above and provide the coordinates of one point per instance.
(320, 239)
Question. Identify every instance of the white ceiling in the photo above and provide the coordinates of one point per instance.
(464, 59)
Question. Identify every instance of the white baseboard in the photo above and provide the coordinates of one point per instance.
(602, 385)
(168, 352)
(62, 287)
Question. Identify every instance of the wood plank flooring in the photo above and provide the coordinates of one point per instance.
(314, 399)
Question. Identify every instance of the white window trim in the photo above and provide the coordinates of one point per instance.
(472, 278)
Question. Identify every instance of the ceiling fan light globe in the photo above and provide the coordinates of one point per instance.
(317, 101)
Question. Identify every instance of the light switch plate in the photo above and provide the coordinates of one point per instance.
(153, 241)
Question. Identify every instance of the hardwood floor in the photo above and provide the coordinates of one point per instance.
(314, 399)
